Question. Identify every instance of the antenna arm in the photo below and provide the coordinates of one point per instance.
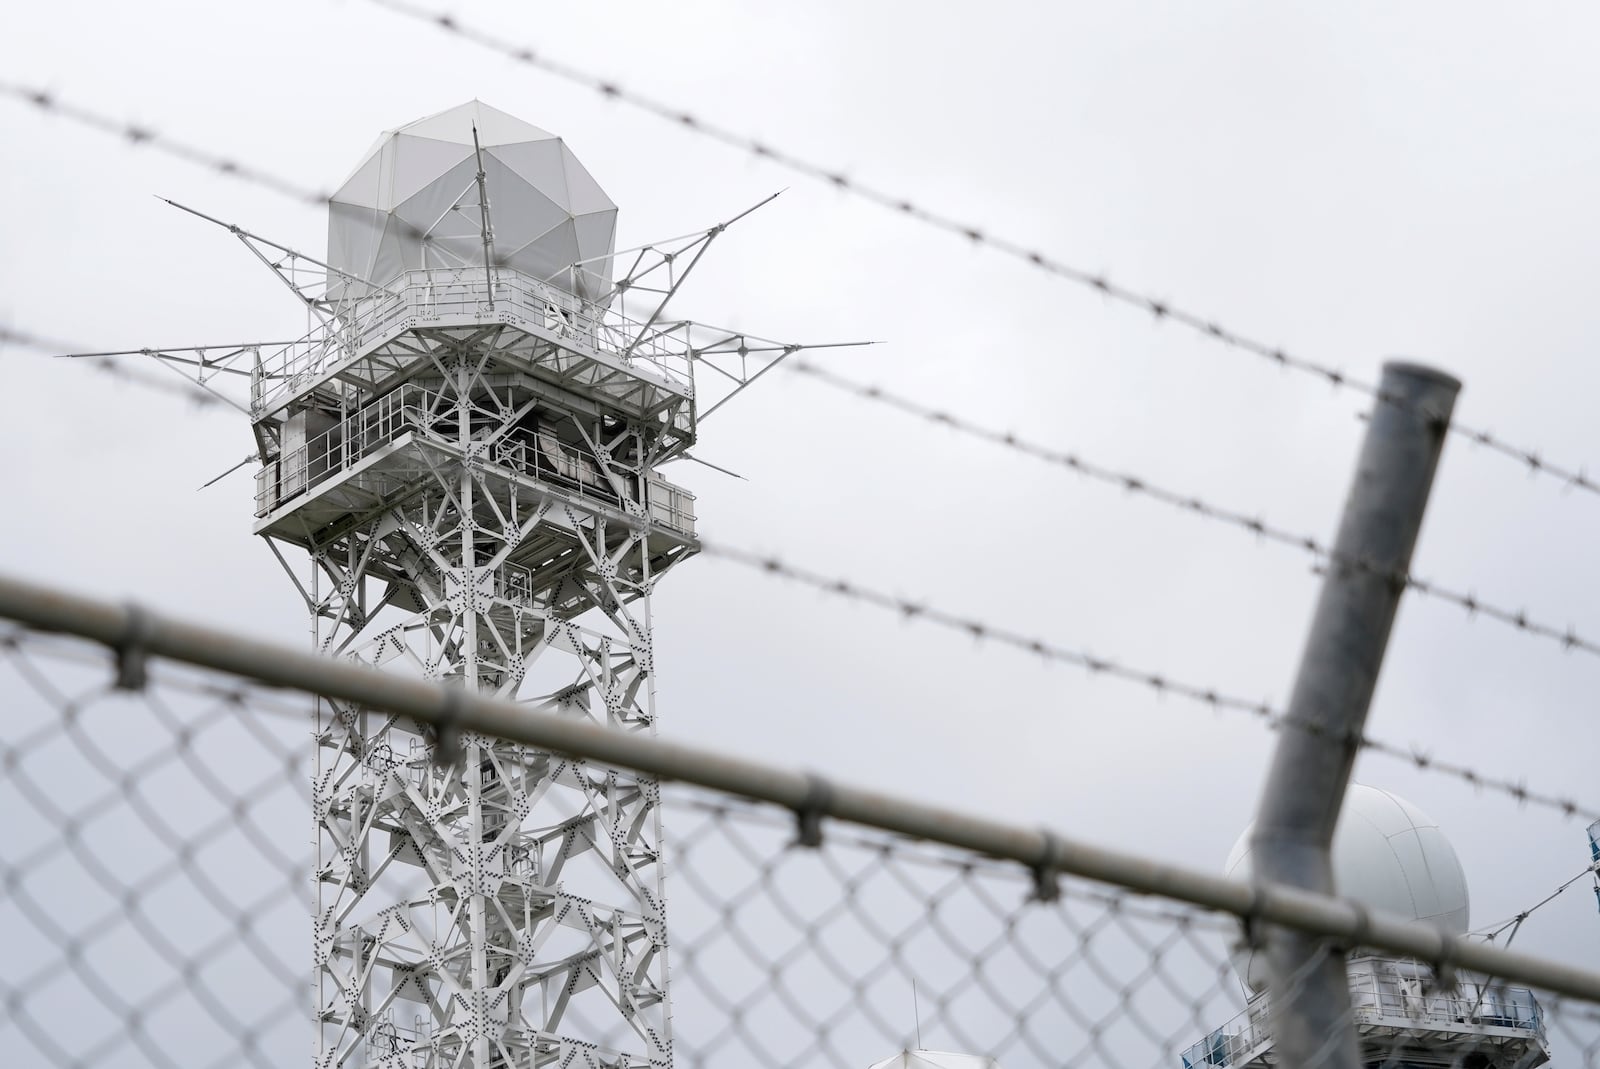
(672, 290)
(743, 378)
(700, 238)
(251, 241)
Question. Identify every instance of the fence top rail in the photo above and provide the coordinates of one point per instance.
(134, 633)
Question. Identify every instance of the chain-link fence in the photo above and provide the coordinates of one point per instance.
(158, 868)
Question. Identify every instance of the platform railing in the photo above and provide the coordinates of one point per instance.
(444, 293)
(1402, 1001)
(409, 408)
(1469, 1007)
(341, 446)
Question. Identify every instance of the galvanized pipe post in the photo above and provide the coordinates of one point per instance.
(1308, 985)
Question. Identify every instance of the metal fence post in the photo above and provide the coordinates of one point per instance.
(1309, 988)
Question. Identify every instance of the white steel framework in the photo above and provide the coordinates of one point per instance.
(468, 454)
(480, 504)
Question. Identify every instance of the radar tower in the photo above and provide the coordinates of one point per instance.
(466, 448)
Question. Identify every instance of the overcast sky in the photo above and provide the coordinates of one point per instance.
(1350, 181)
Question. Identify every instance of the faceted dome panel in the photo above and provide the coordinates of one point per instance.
(413, 204)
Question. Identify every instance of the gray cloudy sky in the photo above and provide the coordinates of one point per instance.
(1351, 181)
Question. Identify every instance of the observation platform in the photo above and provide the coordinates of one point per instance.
(378, 444)
(381, 339)
(400, 441)
(1398, 1022)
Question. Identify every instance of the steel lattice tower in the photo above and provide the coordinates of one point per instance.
(481, 460)
(466, 447)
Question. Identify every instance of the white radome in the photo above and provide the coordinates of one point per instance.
(412, 204)
(1388, 855)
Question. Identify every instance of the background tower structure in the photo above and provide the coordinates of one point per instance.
(465, 451)
(1389, 856)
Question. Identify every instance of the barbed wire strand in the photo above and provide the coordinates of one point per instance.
(1568, 638)
(1162, 310)
(916, 611)
(142, 135)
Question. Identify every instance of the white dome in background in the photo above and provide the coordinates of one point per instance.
(413, 203)
(935, 1059)
(1388, 855)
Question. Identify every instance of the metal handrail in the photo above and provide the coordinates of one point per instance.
(1474, 1005)
(342, 445)
(409, 408)
(440, 292)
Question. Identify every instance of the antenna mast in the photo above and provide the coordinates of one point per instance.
(916, 1011)
(483, 218)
